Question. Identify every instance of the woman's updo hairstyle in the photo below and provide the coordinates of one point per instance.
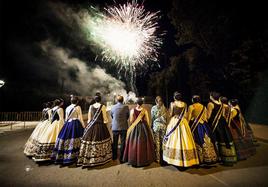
(139, 101)
(196, 99)
(97, 98)
(177, 96)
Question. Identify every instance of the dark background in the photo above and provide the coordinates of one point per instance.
(209, 46)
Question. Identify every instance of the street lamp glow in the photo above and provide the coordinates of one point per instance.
(2, 83)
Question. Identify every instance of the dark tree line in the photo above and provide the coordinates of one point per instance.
(222, 47)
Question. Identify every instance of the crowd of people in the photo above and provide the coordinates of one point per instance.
(182, 135)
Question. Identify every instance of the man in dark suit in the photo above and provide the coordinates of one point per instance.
(120, 115)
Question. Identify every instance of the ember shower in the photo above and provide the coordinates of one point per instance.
(127, 35)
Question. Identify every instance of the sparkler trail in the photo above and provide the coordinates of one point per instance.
(126, 35)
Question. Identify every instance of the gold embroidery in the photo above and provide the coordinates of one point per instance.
(94, 153)
(227, 155)
(44, 151)
(72, 145)
(227, 152)
(207, 152)
(178, 154)
(30, 147)
(67, 156)
(69, 144)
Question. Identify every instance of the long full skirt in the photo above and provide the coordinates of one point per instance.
(179, 149)
(96, 146)
(31, 144)
(139, 149)
(243, 142)
(46, 142)
(224, 143)
(68, 143)
(205, 144)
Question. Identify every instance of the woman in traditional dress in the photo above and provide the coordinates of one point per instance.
(197, 117)
(214, 110)
(159, 116)
(223, 137)
(31, 144)
(96, 143)
(139, 149)
(46, 142)
(178, 146)
(241, 135)
(68, 142)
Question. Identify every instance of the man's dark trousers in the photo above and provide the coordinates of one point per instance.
(116, 134)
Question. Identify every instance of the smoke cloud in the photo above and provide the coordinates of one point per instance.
(53, 58)
(76, 76)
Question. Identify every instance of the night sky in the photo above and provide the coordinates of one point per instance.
(208, 46)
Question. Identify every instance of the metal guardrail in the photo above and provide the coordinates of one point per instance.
(20, 116)
(11, 118)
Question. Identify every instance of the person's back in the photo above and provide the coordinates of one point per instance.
(120, 115)
(195, 110)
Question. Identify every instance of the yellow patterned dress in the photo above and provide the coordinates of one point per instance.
(178, 146)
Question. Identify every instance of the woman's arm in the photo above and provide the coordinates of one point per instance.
(233, 113)
(66, 115)
(89, 114)
(104, 114)
(61, 114)
(209, 110)
(147, 117)
(153, 114)
(80, 116)
(171, 109)
(131, 117)
(205, 118)
(189, 113)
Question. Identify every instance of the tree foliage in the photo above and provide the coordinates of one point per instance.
(222, 47)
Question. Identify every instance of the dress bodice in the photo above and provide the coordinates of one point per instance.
(73, 112)
(137, 113)
(55, 117)
(216, 108)
(93, 110)
(195, 111)
(177, 109)
(45, 114)
(226, 111)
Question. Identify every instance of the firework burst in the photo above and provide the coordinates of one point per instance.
(127, 35)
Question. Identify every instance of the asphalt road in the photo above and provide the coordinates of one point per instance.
(18, 170)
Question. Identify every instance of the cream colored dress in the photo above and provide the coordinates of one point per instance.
(31, 144)
(47, 140)
(179, 147)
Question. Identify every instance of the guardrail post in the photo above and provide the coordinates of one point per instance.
(11, 118)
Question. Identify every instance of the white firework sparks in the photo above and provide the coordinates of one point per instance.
(126, 34)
